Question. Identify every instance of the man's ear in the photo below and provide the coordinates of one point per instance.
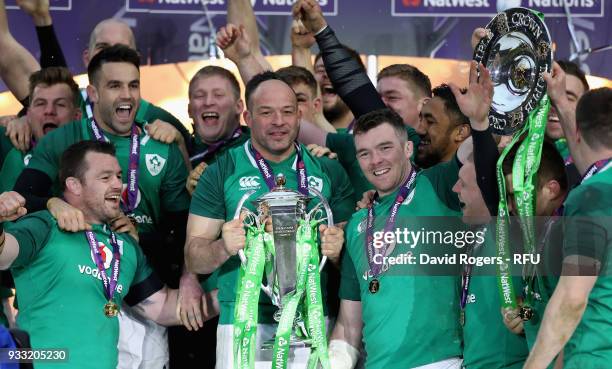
(462, 132)
(408, 149)
(85, 57)
(318, 104)
(92, 93)
(247, 118)
(74, 186)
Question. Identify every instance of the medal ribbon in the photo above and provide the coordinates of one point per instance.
(211, 149)
(596, 168)
(109, 284)
(372, 251)
(133, 164)
(268, 174)
(351, 126)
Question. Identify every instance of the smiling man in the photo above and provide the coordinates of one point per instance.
(54, 102)
(214, 237)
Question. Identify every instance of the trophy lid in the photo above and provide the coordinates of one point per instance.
(281, 196)
(516, 51)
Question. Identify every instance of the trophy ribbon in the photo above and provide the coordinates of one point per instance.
(524, 173)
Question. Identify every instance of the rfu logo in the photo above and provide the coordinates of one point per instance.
(155, 163)
(248, 183)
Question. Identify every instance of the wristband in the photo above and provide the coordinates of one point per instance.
(342, 355)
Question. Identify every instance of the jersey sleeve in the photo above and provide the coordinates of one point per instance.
(349, 284)
(31, 233)
(341, 201)
(586, 226)
(174, 195)
(342, 144)
(443, 177)
(208, 200)
(5, 145)
(155, 112)
(145, 282)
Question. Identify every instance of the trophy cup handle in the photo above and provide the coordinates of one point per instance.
(250, 215)
(323, 205)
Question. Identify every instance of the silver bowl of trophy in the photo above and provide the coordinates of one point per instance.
(517, 52)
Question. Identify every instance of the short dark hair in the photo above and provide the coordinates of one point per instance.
(258, 80)
(293, 75)
(574, 70)
(417, 80)
(375, 118)
(354, 54)
(73, 163)
(113, 54)
(445, 93)
(594, 117)
(51, 76)
(213, 70)
(552, 166)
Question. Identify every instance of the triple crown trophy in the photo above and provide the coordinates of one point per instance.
(517, 51)
(288, 260)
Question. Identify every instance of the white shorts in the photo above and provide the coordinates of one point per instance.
(143, 344)
(452, 363)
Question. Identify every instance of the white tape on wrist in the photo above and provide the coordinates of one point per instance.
(342, 355)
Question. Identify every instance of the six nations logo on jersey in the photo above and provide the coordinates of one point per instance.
(249, 183)
(155, 163)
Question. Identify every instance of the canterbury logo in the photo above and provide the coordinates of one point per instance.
(248, 182)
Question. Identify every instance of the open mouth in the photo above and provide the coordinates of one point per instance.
(48, 127)
(381, 172)
(210, 117)
(113, 198)
(424, 143)
(124, 111)
(278, 134)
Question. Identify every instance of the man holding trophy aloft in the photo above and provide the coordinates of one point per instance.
(286, 193)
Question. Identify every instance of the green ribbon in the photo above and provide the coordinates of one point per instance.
(306, 298)
(525, 167)
(247, 304)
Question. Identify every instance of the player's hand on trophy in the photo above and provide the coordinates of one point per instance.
(332, 239)
(20, 133)
(190, 302)
(477, 35)
(234, 41)
(234, 235)
(194, 177)
(301, 37)
(164, 132)
(124, 224)
(475, 102)
(555, 85)
(320, 151)
(512, 320)
(309, 12)
(12, 206)
(68, 217)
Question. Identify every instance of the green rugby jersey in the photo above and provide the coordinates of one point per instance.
(200, 147)
(61, 296)
(413, 319)
(588, 209)
(343, 144)
(161, 176)
(233, 174)
(487, 343)
(12, 167)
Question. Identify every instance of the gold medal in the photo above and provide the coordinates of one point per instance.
(111, 309)
(526, 313)
(374, 286)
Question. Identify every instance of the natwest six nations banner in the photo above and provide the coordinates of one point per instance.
(179, 30)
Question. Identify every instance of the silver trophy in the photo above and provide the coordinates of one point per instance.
(517, 51)
(285, 207)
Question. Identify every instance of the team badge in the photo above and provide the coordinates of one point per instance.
(316, 183)
(155, 163)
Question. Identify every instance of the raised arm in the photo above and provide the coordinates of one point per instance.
(236, 45)
(51, 54)
(12, 206)
(16, 63)
(348, 77)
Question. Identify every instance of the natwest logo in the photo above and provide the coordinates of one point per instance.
(456, 3)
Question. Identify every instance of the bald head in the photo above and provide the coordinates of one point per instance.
(107, 33)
